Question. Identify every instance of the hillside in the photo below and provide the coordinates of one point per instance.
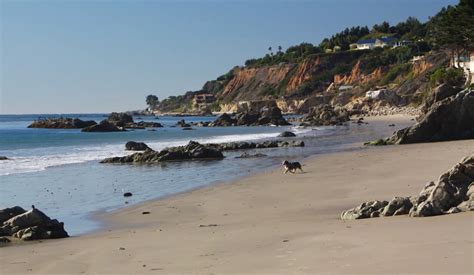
(340, 70)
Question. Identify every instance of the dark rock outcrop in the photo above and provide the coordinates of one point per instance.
(193, 150)
(248, 156)
(120, 119)
(31, 225)
(452, 193)
(103, 126)
(325, 115)
(8, 213)
(287, 134)
(136, 146)
(266, 116)
(449, 119)
(183, 124)
(3, 158)
(441, 92)
(61, 123)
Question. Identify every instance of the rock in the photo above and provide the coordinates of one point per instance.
(8, 213)
(397, 206)
(61, 123)
(136, 146)
(287, 134)
(365, 210)
(224, 120)
(33, 225)
(449, 119)
(266, 116)
(453, 188)
(247, 155)
(325, 115)
(452, 193)
(3, 158)
(149, 124)
(193, 150)
(120, 119)
(103, 126)
(4, 240)
(188, 128)
(441, 92)
(183, 124)
(127, 194)
(376, 142)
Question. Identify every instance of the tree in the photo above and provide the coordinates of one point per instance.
(152, 101)
(453, 28)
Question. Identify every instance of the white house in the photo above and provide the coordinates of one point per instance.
(368, 44)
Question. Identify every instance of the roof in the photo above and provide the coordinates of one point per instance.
(372, 41)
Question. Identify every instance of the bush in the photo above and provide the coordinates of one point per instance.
(451, 76)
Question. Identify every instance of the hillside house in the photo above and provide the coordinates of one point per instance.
(466, 62)
(368, 44)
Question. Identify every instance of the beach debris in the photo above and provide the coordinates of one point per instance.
(122, 248)
(452, 193)
(391, 125)
(30, 225)
(145, 212)
(208, 225)
(287, 134)
(136, 146)
(127, 194)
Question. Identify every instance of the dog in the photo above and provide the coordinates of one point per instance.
(291, 166)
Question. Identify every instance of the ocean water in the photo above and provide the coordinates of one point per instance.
(59, 171)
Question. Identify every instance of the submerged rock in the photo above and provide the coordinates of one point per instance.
(287, 134)
(452, 193)
(136, 146)
(103, 126)
(247, 156)
(3, 158)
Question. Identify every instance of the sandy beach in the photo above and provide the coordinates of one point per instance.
(272, 223)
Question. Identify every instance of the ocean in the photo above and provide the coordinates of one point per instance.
(59, 172)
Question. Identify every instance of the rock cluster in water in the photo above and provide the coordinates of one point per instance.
(29, 225)
(193, 150)
(61, 123)
(266, 116)
(452, 193)
(136, 146)
(324, 115)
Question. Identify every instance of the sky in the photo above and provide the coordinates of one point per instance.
(87, 56)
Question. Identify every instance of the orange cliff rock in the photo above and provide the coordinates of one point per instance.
(303, 73)
(356, 76)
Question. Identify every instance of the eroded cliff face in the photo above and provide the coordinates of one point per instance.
(304, 71)
(252, 83)
(357, 77)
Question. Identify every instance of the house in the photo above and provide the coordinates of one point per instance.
(203, 101)
(466, 62)
(368, 44)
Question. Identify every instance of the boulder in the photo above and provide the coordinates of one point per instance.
(287, 134)
(103, 126)
(272, 116)
(8, 213)
(449, 119)
(365, 210)
(324, 115)
(182, 123)
(32, 225)
(452, 193)
(136, 146)
(441, 92)
(61, 123)
(224, 120)
(120, 119)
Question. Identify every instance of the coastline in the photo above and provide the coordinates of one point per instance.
(274, 223)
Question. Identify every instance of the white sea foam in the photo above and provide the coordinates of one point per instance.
(38, 159)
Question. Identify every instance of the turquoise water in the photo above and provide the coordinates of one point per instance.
(59, 171)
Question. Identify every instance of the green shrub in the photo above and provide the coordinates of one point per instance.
(450, 76)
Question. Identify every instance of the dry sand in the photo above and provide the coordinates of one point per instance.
(273, 223)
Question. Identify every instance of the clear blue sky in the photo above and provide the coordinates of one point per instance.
(100, 56)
